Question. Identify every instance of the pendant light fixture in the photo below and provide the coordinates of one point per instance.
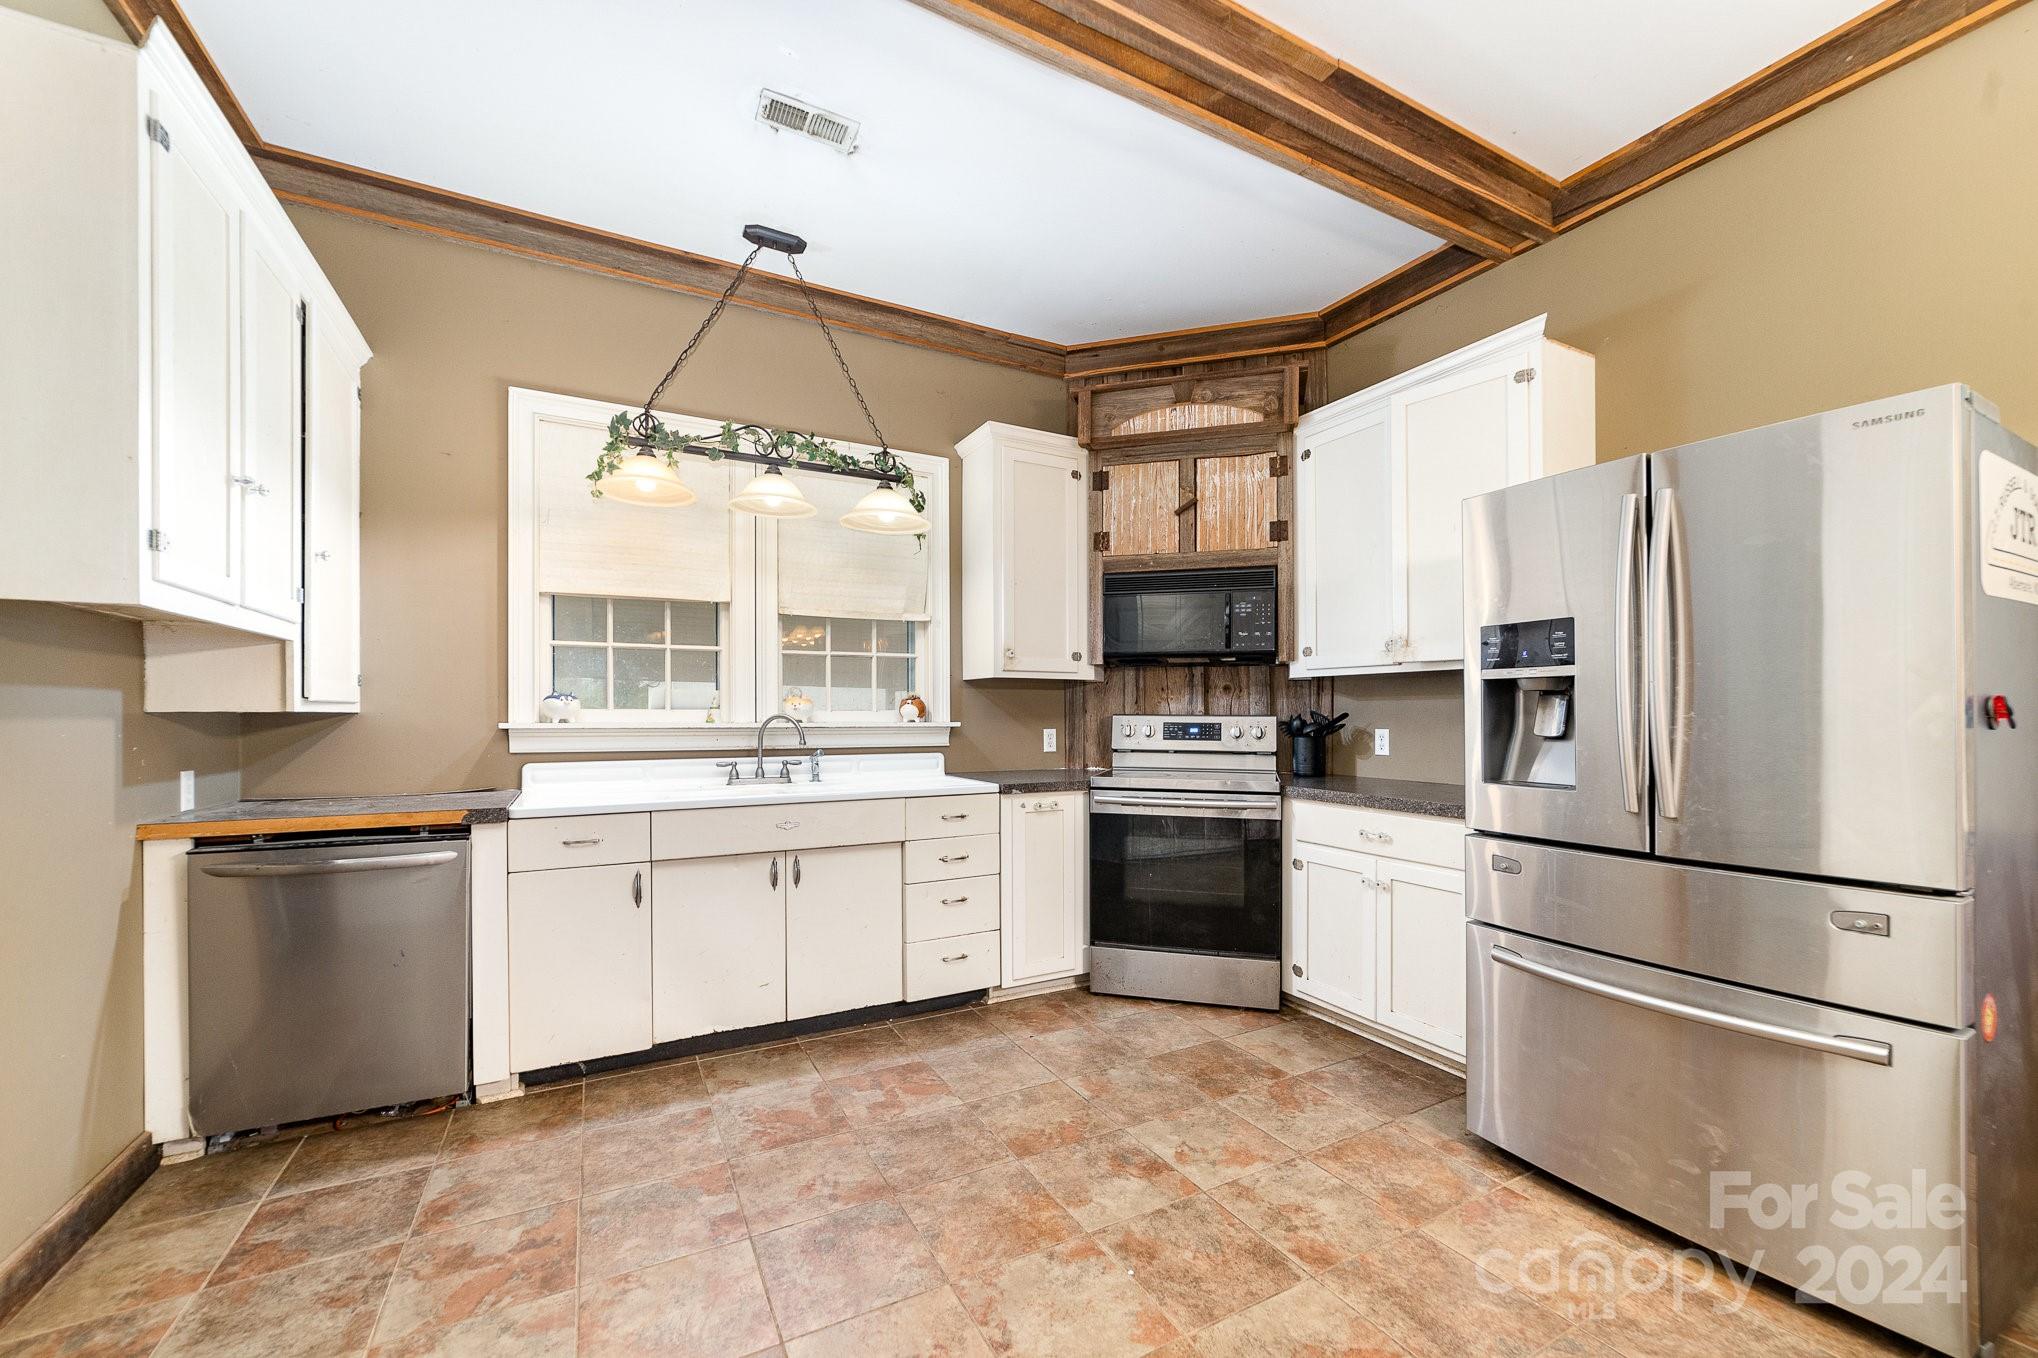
(638, 464)
(772, 495)
(645, 479)
(885, 510)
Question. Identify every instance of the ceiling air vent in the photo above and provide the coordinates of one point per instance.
(788, 114)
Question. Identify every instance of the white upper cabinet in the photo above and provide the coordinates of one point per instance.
(330, 653)
(1025, 563)
(155, 333)
(1382, 481)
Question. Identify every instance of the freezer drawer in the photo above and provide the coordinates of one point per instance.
(1679, 1099)
(326, 978)
(1896, 953)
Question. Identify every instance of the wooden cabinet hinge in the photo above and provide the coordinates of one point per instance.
(1277, 464)
(1100, 542)
(1277, 531)
(1100, 479)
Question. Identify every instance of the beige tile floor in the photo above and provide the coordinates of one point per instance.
(1061, 1175)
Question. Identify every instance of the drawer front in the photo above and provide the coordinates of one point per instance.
(1622, 1079)
(946, 817)
(949, 966)
(717, 830)
(934, 860)
(579, 841)
(944, 909)
(1390, 834)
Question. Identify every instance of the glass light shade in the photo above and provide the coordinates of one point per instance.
(773, 496)
(885, 510)
(645, 479)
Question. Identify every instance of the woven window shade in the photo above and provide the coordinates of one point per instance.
(605, 547)
(828, 571)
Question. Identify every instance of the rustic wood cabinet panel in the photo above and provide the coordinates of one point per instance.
(1236, 503)
(1140, 503)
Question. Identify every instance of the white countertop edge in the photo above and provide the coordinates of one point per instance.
(950, 785)
(582, 737)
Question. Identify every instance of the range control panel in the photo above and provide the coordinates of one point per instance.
(1543, 643)
(1254, 734)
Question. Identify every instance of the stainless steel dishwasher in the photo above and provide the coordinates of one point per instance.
(327, 975)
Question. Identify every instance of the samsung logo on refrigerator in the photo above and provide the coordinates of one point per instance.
(1890, 418)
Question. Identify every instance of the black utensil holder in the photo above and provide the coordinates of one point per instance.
(1306, 752)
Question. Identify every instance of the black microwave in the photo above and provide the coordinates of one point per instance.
(1184, 617)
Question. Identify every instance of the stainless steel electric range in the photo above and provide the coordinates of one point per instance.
(1185, 862)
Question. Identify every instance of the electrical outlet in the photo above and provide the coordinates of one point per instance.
(1047, 739)
(1379, 740)
(187, 790)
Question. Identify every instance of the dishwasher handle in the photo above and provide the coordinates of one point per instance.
(430, 859)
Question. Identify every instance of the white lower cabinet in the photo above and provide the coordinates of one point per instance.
(844, 929)
(1376, 938)
(580, 963)
(718, 955)
(1331, 902)
(1419, 914)
(1044, 853)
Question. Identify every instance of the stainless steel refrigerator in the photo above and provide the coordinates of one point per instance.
(1753, 882)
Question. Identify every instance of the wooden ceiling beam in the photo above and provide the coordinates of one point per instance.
(1205, 344)
(1216, 68)
(313, 181)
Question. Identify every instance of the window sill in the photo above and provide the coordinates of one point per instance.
(584, 737)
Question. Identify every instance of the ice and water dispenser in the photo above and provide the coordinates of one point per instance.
(1528, 672)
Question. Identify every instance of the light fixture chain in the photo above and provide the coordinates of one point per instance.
(707, 323)
(884, 448)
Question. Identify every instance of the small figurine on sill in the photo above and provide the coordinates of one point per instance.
(911, 708)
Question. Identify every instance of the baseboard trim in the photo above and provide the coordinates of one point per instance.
(38, 1258)
(1373, 1032)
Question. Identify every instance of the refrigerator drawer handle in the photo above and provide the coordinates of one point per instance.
(1626, 702)
(1855, 1048)
(324, 866)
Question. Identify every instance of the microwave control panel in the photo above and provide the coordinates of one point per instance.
(1544, 643)
(1254, 627)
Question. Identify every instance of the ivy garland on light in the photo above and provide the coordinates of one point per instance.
(635, 432)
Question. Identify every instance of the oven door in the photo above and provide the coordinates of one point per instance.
(1182, 872)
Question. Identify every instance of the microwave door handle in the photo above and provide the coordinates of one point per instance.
(1629, 719)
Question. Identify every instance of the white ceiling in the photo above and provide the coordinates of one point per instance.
(986, 186)
(1558, 83)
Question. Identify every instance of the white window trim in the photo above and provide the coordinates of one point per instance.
(752, 672)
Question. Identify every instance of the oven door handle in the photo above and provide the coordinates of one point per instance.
(1227, 808)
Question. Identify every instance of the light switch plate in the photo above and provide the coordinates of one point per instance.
(187, 790)
(1047, 739)
(1380, 740)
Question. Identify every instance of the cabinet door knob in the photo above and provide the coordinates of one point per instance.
(1075, 655)
(1296, 968)
(1309, 650)
(1295, 863)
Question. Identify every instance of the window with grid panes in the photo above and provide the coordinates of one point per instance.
(652, 655)
(849, 665)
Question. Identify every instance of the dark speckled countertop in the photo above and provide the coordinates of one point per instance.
(1029, 780)
(1446, 800)
(285, 815)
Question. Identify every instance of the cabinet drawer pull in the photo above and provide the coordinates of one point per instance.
(788, 825)
(955, 858)
(956, 815)
(637, 890)
(796, 869)
(774, 871)
(957, 957)
(954, 900)
(580, 843)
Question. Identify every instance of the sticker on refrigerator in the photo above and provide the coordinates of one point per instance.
(2009, 528)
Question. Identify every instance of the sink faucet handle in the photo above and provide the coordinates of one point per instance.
(731, 765)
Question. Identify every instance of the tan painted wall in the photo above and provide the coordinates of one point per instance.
(82, 764)
(1877, 245)
(453, 328)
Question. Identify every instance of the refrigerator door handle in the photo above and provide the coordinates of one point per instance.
(1854, 1048)
(1669, 652)
(1628, 715)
